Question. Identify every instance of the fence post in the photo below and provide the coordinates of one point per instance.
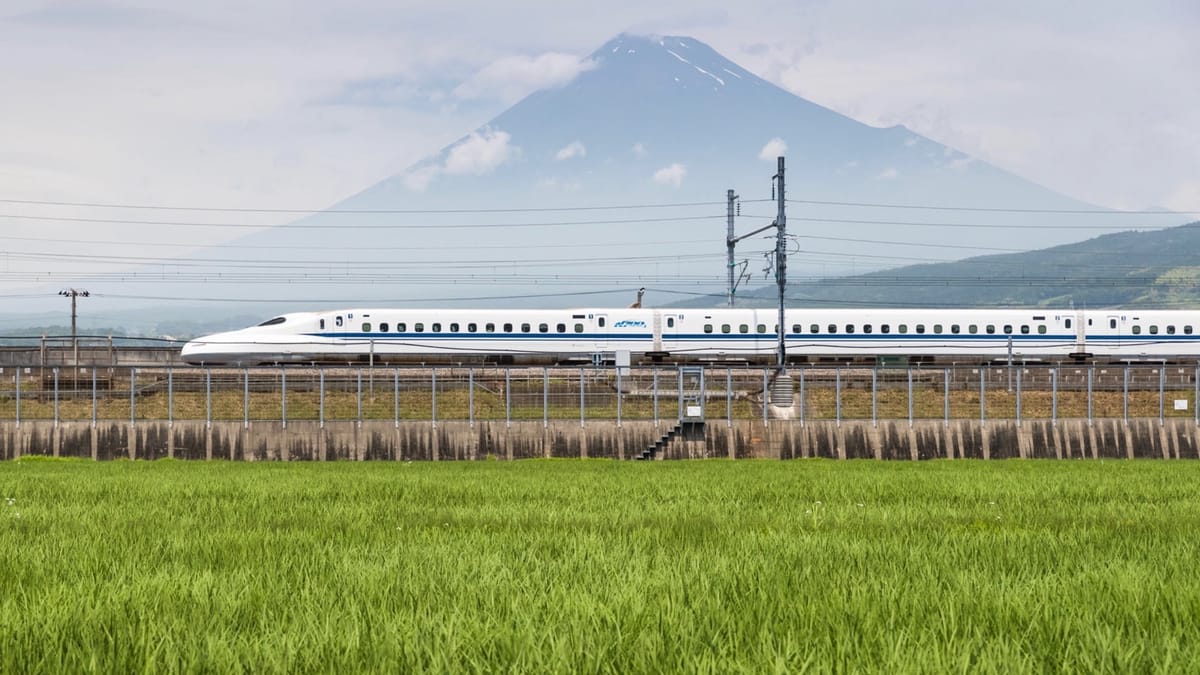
(1091, 372)
(582, 402)
(170, 396)
(358, 399)
(1195, 395)
(875, 396)
(433, 398)
(19, 395)
(983, 396)
(1125, 397)
(283, 396)
(1020, 369)
(655, 396)
(946, 397)
(545, 397)
(802, 397)
(93, 394)
(321, 397)
(910, 398)
(1162, 377)
(395, 398)
(837, 393)
(208, 397)
(766, 395)
(471, 397)
(56, 398)
(1054, 397)
(618, 397)
(679, 392)
(507, 398)
(132, 394)
(729, 396)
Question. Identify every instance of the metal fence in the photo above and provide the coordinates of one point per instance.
(285, 394)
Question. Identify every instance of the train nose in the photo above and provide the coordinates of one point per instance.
(193, 352)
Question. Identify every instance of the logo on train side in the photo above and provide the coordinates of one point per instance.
(629, 324)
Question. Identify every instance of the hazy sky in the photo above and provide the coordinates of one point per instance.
(297, 104)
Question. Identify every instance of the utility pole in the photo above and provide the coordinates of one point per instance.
(730, 240)
(74, 293)
(781, 265)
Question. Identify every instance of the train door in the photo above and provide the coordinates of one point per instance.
(601, 328)
(1113, 329)
(670, 331)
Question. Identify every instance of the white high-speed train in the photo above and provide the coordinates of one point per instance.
(566, 335)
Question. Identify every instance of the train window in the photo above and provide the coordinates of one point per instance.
(832, 329)
(273, 322)
(1024, 329)
(743, 328)
(1187, 330)
(1042, 329)
(543, 328)
(561, 328)
(578, 328)
(508, 328)
(885, 328)
(419, 327)
(762, 328)
(973, 329)
(600, 322)
(670, 322)
(724, 328)
(1170, 330)
(435, 328)
(525, 328)
(1112, 323)
(1008, 329)
(902, 328)
(867, 328)
(814, 328)
(383, 327)
(1137, 330)
(708, 328)
(920, 328)
(454, 328)
(472, 328)
(795, 328)
(849, 328)
(1067, 323)
(400, 328)
(322, 324)
(1154, 330)
(366, 327)
(937, 328)
(337, 321)
(991, 329)
(954, 328)
(489, 328)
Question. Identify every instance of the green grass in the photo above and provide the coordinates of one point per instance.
(570, 566)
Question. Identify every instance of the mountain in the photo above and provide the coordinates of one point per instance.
(580, 194)
(1125, 269)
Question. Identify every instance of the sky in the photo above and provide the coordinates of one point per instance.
(297, 104)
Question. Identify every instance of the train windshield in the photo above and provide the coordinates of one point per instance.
(273, 322)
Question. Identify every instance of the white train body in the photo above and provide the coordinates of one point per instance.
(699, 334)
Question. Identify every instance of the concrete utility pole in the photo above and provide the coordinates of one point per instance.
(781, 263)
(730, 240)
(74, 293)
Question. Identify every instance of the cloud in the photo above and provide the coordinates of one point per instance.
(513, 77)
(887, 174)
(776, 147)
(639, 149)
(478, 154)
(671, 175)
(1186, 196)
(573, 149)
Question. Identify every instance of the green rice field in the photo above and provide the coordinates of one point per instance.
(600, 566)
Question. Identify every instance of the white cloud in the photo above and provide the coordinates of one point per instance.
(671, 175)
(572, 149)
(480, 153)
(510, 78)
(887, 174)
(776, 147)
(639, 149)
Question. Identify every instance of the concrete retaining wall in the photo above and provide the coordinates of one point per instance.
(384, 440)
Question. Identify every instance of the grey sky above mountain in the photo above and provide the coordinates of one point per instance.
(297, 105)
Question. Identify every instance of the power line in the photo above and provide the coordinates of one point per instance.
(991, 209)
(357, 226)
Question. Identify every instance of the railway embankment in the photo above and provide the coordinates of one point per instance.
(1065, 438)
